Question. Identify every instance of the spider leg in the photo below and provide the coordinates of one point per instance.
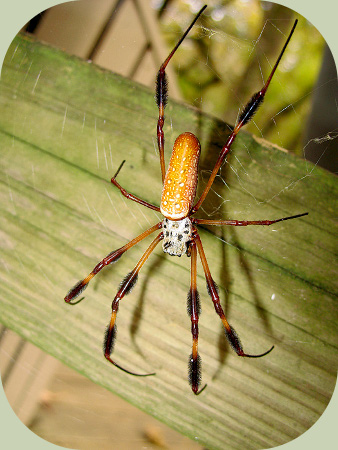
(243, 223)
(162, 95)
(245, 116)
(131, 196)
(194, 310)
(109, 259)
(213, 292)
(126, 286)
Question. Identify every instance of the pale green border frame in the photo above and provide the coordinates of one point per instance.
(13, 434)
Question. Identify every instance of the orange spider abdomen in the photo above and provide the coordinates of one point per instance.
(179, 187)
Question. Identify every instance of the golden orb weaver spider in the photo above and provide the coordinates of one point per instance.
(178, 231)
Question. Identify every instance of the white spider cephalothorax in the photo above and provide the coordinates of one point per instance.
(177, 234)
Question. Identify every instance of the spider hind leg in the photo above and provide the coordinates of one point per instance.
(194, 311)
(212, 289)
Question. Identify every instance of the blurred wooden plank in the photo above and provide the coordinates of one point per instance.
(25, 373)
(122, 36)
(65, 127)
(75, 26)
(80, 414)
(10, 346)
(123, 41)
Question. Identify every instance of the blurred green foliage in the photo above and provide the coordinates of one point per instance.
(232, 46)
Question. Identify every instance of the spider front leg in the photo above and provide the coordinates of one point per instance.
(194, 310)
(125, 287)
(245, 116)
(213, 292)
(162, 94)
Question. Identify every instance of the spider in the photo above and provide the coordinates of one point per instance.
(178, 231)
